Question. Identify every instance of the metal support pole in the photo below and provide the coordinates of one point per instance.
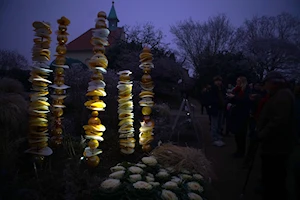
(186, 103)
(178, 114)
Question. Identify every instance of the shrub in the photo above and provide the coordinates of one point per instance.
(75, 112)
(18, 74)
(13, 120)
(109, 117)
(13, 108)
(76, 115)
(8, 85)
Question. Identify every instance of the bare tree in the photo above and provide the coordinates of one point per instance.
(272, 42)
(189, 38)
(194, 38)
(220, 34)
(125, 55)
(273, 54)
(288, 28)
(12, 60)
(145, 34)
(259, 27)
(283, 26)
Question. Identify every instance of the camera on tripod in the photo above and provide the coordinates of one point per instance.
(183, 88)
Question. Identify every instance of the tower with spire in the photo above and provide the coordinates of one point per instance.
(112, 18)
(81, 49)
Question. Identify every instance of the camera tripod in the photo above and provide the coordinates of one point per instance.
(185, 106)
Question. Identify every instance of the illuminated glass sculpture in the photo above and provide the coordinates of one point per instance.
(59, 83)
(126, 130)
(39, 106)
(146, 102)
(96, 89)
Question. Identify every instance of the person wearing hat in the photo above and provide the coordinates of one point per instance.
(276, 134)
(217, 107)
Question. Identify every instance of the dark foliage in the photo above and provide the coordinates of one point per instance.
(12, 60)
(20, 75)
(226, 64)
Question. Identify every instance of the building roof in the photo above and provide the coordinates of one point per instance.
(112, 14)
(82, 43)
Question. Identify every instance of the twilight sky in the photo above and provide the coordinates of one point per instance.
(16, 16)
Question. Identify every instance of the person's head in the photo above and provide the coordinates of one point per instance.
(274, 81)
(218, 81)
(241, 82)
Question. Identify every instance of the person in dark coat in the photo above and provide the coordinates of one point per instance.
(276, 133)
(217, 104)
(297, 109)
(240, 109)
(293, 171)
(255, 96)
(228, 114)
(205, 95)
(205, 99)
(257, 99)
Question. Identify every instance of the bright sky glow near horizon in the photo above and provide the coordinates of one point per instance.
(17, 15)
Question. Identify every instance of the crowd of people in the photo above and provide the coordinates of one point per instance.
(268, 113)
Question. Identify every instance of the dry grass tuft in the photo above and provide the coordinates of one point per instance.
(180, 158)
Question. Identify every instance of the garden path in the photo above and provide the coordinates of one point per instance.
(230, 176)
